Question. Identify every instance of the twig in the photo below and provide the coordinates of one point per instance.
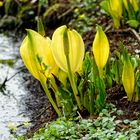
(108, 28)
(79, 115)
(19, 4)
(135, 33)
(66, 13)
(127, 30)
(8, 79)
(122, 126)
(2, 86)
(33, 119)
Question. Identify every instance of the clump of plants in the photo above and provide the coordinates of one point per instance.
(61, 61)
(127, 10)
(73, 79)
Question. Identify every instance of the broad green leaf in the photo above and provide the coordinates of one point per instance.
(100, 49)
(104, 5)
(100, 88)
(91, 93)
(109, 81)
(75, 49)
(87, 64)
(133, 23)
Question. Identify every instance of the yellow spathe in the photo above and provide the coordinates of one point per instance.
(74, 48)
(128, 78)
(100, 49)
(34, 45)
(116, 8)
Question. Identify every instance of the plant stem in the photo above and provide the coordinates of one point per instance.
(73, 84)
(91, 99)
(116, 22)
(56, 91)
(101, 73)
(50, 97)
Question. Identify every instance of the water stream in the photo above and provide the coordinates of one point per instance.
(12, 105)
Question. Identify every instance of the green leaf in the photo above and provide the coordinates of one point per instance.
(100, 88)
(104, 6)
(91, 93)
(134, 62)
(40, 27)
(86, 64)
(133, 23)
(131, 11)
(115, 70)
(108, 81)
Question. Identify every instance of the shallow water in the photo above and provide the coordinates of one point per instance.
(12, 105)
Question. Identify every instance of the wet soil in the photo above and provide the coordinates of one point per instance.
(37, 104)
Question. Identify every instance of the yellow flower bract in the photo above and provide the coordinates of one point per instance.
(100, 48)
(75, 49)
(36, 45)
(128, 79)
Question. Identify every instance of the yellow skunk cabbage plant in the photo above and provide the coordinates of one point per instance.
(114, 9)
(128, 78)
(68, 51)
(128, 10)
(37, 57)
(76, 79)
(100, 50)
(66, 42)
(132, 12)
